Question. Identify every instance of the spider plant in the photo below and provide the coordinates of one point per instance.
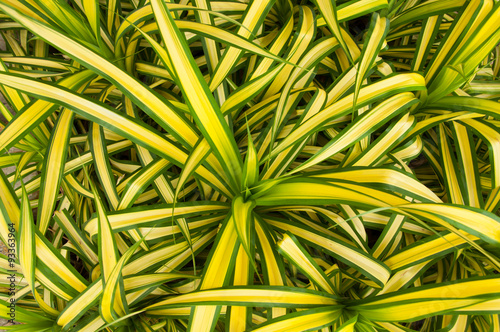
(251, 165)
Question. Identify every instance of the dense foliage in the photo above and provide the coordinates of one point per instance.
(201, 165)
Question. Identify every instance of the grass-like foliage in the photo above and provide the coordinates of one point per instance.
(257, 165)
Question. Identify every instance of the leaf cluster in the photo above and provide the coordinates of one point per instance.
(282, 165)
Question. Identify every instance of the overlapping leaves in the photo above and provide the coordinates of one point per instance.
(261, 165)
